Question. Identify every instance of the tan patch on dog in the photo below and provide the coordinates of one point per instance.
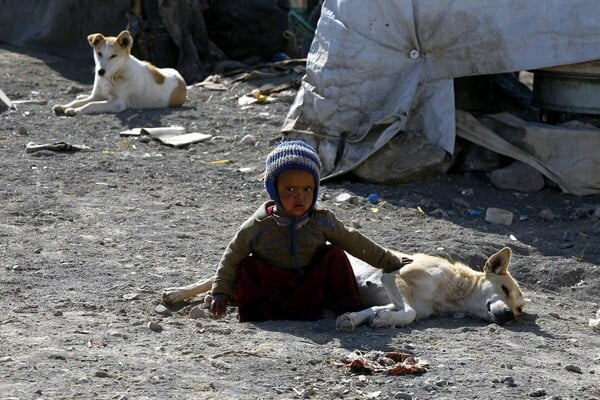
(178, 96)
(159, 78)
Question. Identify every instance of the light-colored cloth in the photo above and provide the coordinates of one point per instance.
(567, 154)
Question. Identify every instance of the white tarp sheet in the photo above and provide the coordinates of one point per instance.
(569, 154)
(380, 67)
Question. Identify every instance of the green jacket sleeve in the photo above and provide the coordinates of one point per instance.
(360, 246)
(236, 251)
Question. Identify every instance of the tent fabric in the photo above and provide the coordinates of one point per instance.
(380, 67)
(568, 154)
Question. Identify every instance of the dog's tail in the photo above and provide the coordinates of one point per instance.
(178, 294)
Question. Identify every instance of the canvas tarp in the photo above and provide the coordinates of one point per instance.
(377, 68)
(568, 154)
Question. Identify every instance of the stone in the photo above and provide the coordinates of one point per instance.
(519, 177)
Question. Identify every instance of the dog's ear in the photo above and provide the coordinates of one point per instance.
(95, 39)
(124, 39)
(498, 263)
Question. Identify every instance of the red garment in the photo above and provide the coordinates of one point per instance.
(264, 292)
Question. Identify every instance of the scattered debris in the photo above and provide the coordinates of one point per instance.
(212, 82)
(32, 147)
(373, 198)
(31, 101)
(595, 322)
(197, 313)
(573, 368)
(498, 216)
(155, 326)
(393, 362)
(171, 135)
(254, 97)
(4, 98)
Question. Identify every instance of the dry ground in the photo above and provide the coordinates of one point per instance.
(90, 239)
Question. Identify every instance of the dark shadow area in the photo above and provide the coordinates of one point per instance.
(79, 71)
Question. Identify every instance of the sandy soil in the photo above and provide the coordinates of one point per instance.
(89, 239)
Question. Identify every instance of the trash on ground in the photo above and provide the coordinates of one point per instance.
(4, 98)
(595, 323)
(391, 362)
(498, 216)
(171, 135)
(30, 101)
(32, 147)
(212, 82)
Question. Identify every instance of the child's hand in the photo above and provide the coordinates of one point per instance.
(219, 303)
(403, 261)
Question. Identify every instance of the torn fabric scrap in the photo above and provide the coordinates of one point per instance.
(392, 363)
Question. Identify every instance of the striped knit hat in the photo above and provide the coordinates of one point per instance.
(293, 154)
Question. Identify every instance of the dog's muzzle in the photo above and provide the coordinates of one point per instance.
(500, 313)
(101, 72)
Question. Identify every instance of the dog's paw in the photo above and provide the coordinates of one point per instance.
(69, 112)
(171, 296)
(345, 323)
(58, 110)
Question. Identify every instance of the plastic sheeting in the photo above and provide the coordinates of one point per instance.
(380, 67)
(569, 154)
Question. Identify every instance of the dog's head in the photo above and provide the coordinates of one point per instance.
(504, 301)
(110, 53)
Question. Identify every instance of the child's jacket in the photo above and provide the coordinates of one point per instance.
(281, 244)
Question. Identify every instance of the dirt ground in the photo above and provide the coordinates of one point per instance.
(89, 240)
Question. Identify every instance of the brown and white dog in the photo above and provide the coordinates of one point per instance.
(429, 286)
(122, 81)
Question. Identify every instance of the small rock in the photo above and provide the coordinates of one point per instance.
(246, 170)
(162, 310)
(197, 313)
(437, 213)
(249, 140)
(498, 216)
(342, 197)
(131, 296)
(573, 368)
(403, 396)
(72, 89)
(537, 393)
(546, 215)
(457, 202)
(509, 381)
(595, 323)
(155, 326)
(518, 176)
(101, 374)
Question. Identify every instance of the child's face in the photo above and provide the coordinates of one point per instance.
(296, 190)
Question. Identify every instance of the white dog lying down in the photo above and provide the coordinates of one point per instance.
(432, 286)
(122, 81)
(428, 286)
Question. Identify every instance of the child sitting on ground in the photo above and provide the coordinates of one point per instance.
(279, 265)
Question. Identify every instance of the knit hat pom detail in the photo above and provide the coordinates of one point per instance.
(293, 154)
